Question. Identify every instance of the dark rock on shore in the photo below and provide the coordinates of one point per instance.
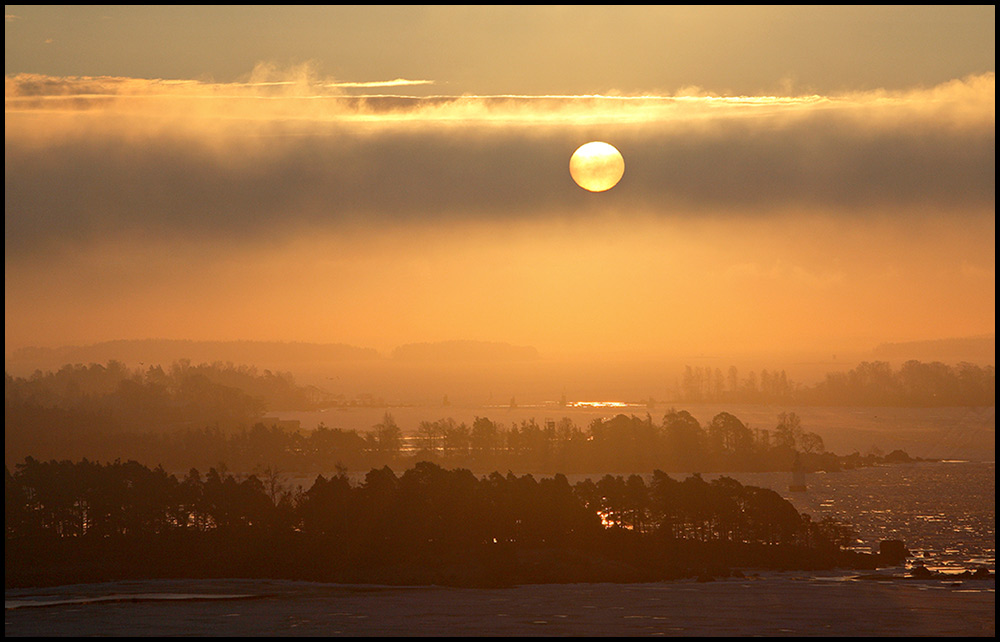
(892, 552)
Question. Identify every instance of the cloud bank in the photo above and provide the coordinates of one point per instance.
(285, 207)
(91, 158)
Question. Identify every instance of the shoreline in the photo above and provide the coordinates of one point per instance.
(772, 604)
(94, 592)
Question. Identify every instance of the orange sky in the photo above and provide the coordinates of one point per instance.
(279, 206)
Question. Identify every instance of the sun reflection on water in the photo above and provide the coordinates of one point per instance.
(600, 404)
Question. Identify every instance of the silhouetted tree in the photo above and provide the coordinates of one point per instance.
(385, 438)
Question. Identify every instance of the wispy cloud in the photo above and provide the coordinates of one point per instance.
(397, 82)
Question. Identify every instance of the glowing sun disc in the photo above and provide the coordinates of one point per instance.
(597, 166)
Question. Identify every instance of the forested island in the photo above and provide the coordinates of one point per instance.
(83, 522)
(211, 414)
(71, 518)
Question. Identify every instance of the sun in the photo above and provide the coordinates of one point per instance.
(597, 166)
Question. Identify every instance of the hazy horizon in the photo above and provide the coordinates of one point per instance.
(474, 374)
(813, 205)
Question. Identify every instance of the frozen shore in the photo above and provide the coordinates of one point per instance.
(773, 604)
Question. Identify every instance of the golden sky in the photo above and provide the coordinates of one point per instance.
(796, 178)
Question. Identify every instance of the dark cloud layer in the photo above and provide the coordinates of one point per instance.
(87, 188)
(816, 163)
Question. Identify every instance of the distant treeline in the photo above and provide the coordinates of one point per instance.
(88, 521)
(915, 384)
(622, 443)
(214, 413)
(70, 412)
(103, 411)
(183, 394)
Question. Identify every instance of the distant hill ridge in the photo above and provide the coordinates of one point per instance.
(479, 351)
(135, 352)
(979, 349)
(165, 351)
